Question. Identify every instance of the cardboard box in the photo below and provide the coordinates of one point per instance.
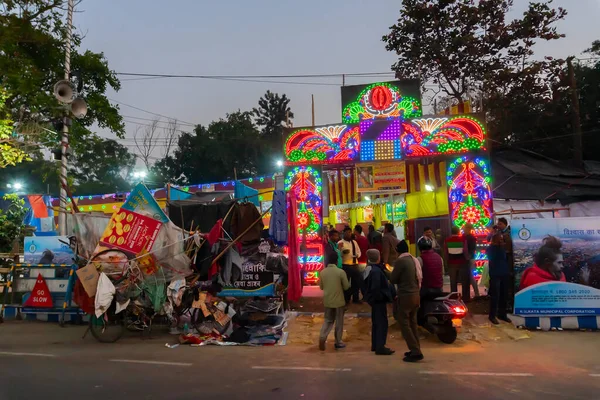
(89, 276)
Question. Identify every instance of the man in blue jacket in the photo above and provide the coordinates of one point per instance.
(379, 293)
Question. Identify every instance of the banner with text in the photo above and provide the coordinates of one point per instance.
(554, 289)
(387, 177)
(256, 280)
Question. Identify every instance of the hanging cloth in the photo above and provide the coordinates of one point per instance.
(294, 278)
(278, 227)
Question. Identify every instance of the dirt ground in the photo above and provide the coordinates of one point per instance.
(476, 330)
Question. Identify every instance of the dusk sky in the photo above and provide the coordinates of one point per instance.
(259, 37)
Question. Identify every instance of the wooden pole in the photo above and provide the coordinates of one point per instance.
(575, 121)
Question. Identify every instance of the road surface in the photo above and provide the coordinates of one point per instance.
(43, 361)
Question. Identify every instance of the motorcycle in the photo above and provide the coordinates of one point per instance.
(441, 314)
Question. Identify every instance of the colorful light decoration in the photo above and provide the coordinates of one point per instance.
(380, 140)
(327, 144)
(431, 136)
(470, 194)
(307, 186)
(381, 100)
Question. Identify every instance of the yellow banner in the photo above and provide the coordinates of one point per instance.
(388, 177)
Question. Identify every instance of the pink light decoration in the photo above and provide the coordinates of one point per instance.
(392, 132)
(329, 144)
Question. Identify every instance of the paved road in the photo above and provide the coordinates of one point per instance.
(46, 362)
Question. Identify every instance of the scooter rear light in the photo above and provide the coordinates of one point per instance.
(459, 310)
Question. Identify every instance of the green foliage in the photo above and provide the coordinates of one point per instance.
(272, 113)
(472, 50)
(466, 46)
(210, 154)
(11, 151)
(101, 166)
(32, 34)
(11, 222)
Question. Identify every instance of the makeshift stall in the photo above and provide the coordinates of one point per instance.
(240, 268)
(385, 157)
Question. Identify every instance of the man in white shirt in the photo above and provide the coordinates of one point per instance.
(350, 255)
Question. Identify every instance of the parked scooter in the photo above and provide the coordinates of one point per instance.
(441, 314)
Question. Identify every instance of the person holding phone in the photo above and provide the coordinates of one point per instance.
(350, 255)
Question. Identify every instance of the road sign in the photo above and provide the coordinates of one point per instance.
(40, 295)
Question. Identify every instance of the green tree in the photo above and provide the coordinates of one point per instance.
(472, 50)
(11, 221)
(101, 166)
(272, 112)
(12, 146)
(39, 176)
(32, 36)
(210, 154)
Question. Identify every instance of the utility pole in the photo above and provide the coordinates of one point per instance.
(312, 97)
(575, 121)
(62, 215)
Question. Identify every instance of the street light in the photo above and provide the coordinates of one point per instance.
(139, 174)
(15, 186)
(279, 163)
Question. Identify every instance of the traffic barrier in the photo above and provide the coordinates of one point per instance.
(48, 293)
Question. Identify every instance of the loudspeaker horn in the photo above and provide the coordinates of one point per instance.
(63, 91)
(79, 108)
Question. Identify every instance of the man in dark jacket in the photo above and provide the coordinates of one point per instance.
(406, 277)
(379, 293)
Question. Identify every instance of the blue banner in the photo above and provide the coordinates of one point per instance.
(265, 291)
(48, 250)
(567, 285)
(141, 201)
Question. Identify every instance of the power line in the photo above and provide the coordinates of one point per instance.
(150, 112)
(159, 121)
(337, 75)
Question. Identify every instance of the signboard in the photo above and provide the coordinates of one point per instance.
(387, 177)
(255, 281)
(47, 250)
(40, 295)
(141, 201)
(130, 232)
(570, 289)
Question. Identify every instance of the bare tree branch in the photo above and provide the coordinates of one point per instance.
(145, 141)
(171, 137)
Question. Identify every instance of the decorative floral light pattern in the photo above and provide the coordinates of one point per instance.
(306, 185)
(470, 194)
(431, 136)
(381, 100)
(330, 144)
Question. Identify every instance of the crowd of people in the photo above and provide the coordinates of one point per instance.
(361, 264)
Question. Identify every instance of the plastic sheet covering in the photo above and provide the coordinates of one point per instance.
(169, 251)
(88, 228)
(104, 294)
(156, 292)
